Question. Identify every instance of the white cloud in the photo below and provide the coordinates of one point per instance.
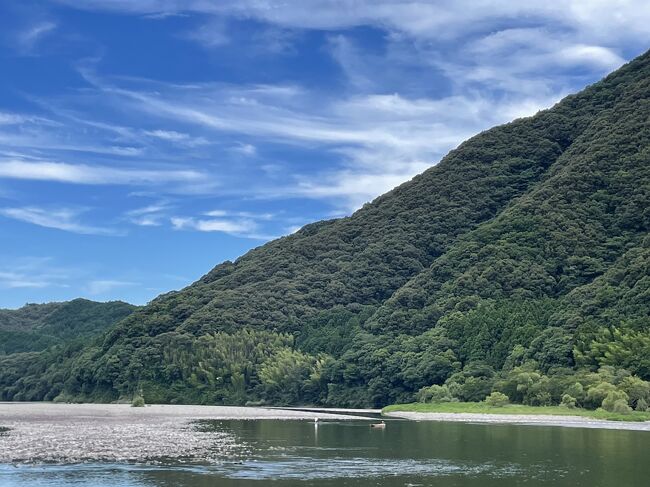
(233, 227)
(74, 133)
(371, 120)
(537, 48)
(148, 220)
(607, 20)
(245, 149)
(354, 188)
(98, 287)
(62, 219)
(177, 137)
(217, 213)
(145, 210)
(494, 59)
(43, 140)
(578, 54)
(246, 224)
(168, 135)
(238, 224)
(244, 214)
(11, 118)
(293, 229)
(86, 174)
(381, 139)
(150, 215)
(525, 60)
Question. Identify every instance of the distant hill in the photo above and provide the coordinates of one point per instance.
(35, 327)
(524, 251)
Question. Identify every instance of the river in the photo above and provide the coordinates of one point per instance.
(337, 452)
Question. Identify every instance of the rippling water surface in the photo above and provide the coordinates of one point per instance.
(350, 453)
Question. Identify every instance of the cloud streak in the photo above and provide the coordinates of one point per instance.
(236, 223)
(61, 219)
(32, 273)
(177, 138)
(85, 174)
(380, 139)
(501, 60)
(439, 19)
(106, 286)
(15, 280)
(149, 216)
(28, 39)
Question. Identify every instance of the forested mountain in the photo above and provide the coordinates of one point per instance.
(35, 327)
(523, 255)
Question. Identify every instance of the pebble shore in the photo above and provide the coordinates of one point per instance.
(524, 419)
(76, 433)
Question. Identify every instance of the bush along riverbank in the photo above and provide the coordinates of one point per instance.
(609, 393)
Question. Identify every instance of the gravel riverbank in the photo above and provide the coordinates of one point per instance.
(73, 433)
(523, 419)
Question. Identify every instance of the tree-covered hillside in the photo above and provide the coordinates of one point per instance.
(518, 264)
(35, 327)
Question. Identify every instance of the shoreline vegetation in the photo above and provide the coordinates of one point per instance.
(481, 408)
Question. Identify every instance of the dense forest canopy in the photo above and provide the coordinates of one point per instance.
(519, 264)
(35, 327)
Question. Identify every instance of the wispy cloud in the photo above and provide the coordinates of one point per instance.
(246, 224)
(106, 286)
(497, 61)
(601, 19)
(59, 218)
(248, 150)
(15, 280)
(149, 216)
(381, 139)
(32, 272)
(211, 34)
(66, 130)
(232, 227)
(14, 118)
(85, 174)
(241, 214)
(177, 137)
(28, 38)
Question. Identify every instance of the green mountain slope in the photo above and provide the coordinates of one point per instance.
(525, 247)
(35, 327)
(502, 284)
(366, 257)
(611, 315)
(589, 209)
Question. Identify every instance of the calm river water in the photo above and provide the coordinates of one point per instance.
(350, 453)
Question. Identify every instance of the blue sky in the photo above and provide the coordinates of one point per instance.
(144, 141)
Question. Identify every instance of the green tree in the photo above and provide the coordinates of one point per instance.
(496, 399)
